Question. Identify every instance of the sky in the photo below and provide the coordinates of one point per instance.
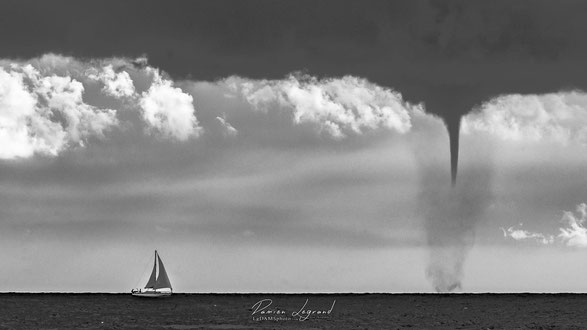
(263, 146)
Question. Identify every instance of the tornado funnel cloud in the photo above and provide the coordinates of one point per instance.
(451, 212)
(454, 129)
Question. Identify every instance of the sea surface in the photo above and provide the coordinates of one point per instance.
(293, 311)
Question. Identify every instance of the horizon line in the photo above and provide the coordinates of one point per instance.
(304, 293)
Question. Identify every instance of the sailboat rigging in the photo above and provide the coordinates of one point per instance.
(158, 284)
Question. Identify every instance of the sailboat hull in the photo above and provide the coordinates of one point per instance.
(152, 294)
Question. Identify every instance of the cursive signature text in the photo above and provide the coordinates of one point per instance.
(265, 312)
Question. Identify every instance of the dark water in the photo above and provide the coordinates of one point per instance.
(299, 311)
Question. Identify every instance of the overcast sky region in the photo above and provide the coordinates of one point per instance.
(303, 146)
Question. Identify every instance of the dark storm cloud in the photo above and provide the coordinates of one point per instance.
(402, 44)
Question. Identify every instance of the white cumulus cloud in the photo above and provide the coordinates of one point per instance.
(53, 102)
(169, 110)
(560, 117)
(338, 106)
(45, 113)
(117, 84)
(575, 234)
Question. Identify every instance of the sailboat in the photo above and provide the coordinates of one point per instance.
(158, 284)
